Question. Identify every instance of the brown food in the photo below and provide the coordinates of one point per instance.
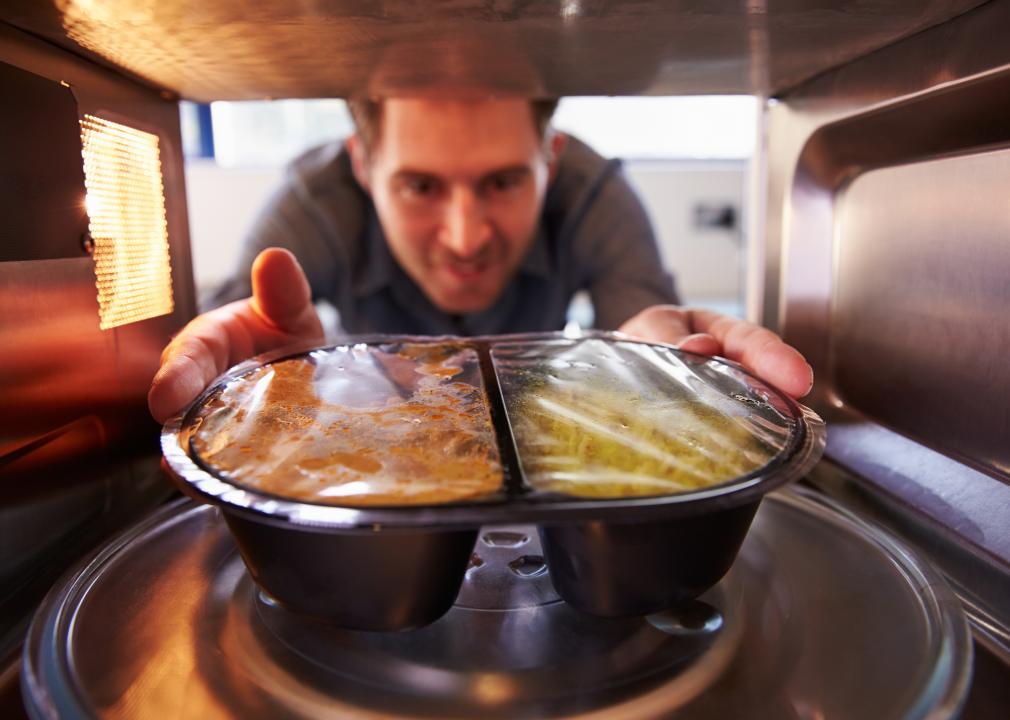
(271, 430)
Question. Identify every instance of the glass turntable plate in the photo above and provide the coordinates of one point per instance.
(821, 616)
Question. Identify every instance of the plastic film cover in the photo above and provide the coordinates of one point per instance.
(601, 419)
(387, 424)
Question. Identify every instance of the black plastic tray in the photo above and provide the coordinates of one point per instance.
(397, 567)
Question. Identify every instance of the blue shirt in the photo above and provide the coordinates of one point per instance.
(593, 235)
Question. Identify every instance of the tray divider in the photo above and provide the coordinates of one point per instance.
(515, 485)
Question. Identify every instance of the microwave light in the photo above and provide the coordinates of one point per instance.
(126, 210)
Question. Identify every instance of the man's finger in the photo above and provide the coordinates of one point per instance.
(282, 296)
(707, 333)
(758, 349)
(174, 386)
(660, 323)
(785, 368)
(701, 343)
(204, 349)
(279, 313)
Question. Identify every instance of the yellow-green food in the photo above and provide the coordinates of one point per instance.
(599, 442)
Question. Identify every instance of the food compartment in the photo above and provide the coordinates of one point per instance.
(675, 450)
(360, 425)
(615, 569)
(598, 418)
(355, 425)
(379, 580)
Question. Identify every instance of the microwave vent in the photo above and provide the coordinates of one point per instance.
(126, 206)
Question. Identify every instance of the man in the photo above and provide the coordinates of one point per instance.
(453, 217)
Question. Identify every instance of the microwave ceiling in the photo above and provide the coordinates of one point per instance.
(206, 50)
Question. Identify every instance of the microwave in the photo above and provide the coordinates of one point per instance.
(877, 246)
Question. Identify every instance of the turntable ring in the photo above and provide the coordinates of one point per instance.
(821, 616)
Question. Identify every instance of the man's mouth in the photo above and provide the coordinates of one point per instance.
(467, 270)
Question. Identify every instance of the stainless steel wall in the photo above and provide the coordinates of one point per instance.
(889, 267)
(78, 451)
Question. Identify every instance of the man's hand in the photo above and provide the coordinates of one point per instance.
(756, 348)
(279, 313)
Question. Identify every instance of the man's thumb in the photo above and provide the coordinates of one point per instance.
(281, 293)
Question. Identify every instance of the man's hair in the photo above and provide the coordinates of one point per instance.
(367, 116)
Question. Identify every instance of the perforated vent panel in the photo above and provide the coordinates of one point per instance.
(126, 207)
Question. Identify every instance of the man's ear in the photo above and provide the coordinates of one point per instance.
(359, 161)
(555, 146)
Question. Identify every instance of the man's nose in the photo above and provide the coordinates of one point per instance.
(466, 229)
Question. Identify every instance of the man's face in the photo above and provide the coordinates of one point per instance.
(458, 187)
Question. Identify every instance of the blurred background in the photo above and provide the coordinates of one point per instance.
(688, 157)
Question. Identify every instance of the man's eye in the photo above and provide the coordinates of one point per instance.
(419, 187)
(504, 182)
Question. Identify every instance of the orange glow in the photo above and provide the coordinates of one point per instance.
(126, 207)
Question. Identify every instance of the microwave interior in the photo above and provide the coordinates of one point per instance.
(876, 236)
